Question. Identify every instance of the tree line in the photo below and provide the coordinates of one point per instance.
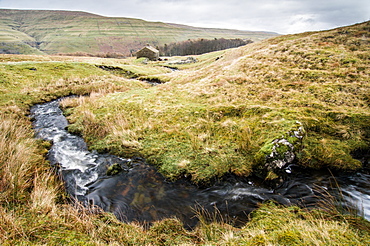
(200, 46)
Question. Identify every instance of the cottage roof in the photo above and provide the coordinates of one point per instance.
(150, 48)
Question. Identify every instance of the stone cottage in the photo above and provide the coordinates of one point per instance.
(148, 52)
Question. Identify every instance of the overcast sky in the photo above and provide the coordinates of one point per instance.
(282, 16)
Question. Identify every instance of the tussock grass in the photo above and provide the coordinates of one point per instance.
(17, 159)
(274, 225)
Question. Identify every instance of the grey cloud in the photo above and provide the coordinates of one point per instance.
(283, 16)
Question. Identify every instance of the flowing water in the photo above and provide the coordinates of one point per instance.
(139, 193)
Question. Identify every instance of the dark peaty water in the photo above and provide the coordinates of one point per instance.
(139, 193)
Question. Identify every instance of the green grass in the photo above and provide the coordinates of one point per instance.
(210, 118)
(221, 115)
(274, 225)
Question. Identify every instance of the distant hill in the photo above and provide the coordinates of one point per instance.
(52, 32)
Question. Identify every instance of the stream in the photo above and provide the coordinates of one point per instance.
(139, 193)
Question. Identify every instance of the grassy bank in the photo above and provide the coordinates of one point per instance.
(212, 117)
(223, 113)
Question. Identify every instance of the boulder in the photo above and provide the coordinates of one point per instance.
(275, 156)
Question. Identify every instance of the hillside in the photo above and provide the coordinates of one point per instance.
(227, 113)
(51, 32)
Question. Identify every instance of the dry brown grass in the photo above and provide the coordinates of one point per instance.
(17, 159)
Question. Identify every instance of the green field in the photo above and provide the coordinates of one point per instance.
(52, 32)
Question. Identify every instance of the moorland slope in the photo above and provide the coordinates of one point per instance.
(229, 112)
(51, 32)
